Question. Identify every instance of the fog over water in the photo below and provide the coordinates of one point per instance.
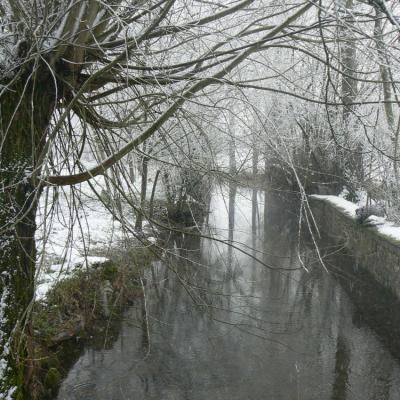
(221, 326)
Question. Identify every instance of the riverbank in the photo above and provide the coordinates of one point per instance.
(375, 248)
(85, 307)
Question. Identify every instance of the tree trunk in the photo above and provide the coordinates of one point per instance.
(231, 225)
(255, 158)
(232, 155)
(143, 192)
(350, 154)
(349, 65)
(153, 191)
(387, 86)
(24, 116)
(384, 70)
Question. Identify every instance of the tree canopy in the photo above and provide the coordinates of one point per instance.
(106, 77)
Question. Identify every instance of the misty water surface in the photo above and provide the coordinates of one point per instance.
(221, 326)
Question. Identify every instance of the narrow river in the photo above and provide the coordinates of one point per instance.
(218, 325)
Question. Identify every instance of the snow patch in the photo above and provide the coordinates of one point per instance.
(6, 346)
(152, 239)
(65, 238)
(3, 361)
(373, 220)
(386, 228)
(347, 206)
(59, 272)
(390, 229)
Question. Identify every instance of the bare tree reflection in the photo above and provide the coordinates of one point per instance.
(239, 335)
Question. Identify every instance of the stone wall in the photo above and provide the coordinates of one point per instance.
(378, 254)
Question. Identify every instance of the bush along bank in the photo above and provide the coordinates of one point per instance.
(87, 306)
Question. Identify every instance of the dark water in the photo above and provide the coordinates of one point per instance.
(218, 325)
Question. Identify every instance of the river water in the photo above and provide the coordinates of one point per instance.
(216, 324)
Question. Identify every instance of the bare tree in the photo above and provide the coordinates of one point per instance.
(105, 77)
(75, 73)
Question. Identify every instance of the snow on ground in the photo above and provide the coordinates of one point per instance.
(69, 242)
(75, 239)
(57, 272)
(386, 228)
(347, 206)
(390, 229)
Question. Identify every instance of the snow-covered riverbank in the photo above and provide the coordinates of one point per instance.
(384, 227)
(79, 236)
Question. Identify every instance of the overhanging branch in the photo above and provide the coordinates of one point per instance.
(64, 180)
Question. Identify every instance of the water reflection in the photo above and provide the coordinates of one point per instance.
(218, 325)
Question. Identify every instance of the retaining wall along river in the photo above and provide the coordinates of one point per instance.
(379, 254)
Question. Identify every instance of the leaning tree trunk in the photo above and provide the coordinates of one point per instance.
(25, 112)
